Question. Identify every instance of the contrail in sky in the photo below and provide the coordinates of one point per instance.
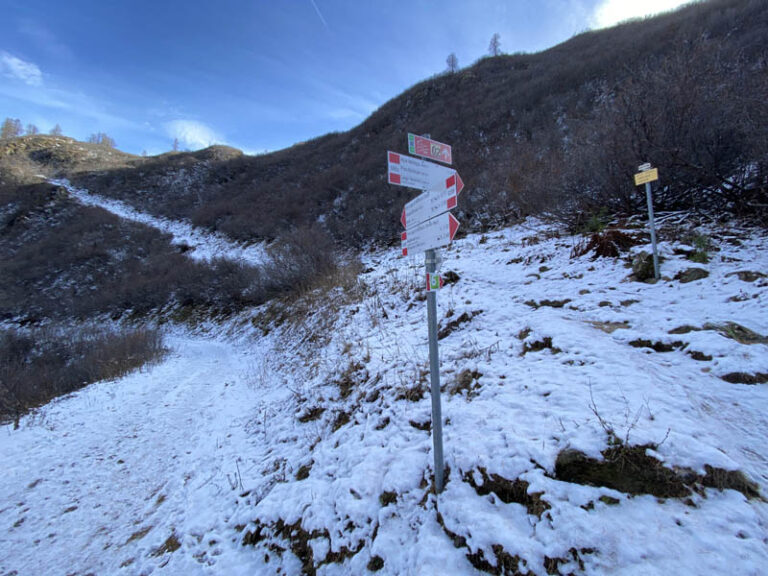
(320, 14)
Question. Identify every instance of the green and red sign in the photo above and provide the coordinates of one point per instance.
(427, 148)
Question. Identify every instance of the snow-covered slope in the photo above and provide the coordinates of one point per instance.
(202, 245)
(302, 443)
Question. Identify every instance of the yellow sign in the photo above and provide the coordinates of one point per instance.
(647, 176)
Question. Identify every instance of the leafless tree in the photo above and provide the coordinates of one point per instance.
(494, 48)
(56, 131)
(11, 129)
(102, 139)
(453, 63)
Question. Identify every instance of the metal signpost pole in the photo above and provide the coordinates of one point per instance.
(434, 371)
(645, 175)
(428, 225)
(652, 223)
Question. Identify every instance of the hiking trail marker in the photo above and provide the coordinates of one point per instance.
(430, 234)
(432, 149)
(429, 225)
(420, 174)
(646, 175)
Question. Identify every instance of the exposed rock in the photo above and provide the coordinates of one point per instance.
(642, 266)
(691, 275)
(747, 275)
(450, 277)
(744, 378)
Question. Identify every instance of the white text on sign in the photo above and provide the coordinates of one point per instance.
(414, 173)
(427, 148)
(427, 205)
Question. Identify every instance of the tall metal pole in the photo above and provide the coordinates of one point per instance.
(652, 223)
(434, 371)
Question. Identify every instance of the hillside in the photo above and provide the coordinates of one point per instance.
(560, 131)
(215, 363)
(594, 424)
(557, 132)
(22, 158)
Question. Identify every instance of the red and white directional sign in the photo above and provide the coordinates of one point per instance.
(421, 146)
(414, 173)
(436, 232)
(428, 205)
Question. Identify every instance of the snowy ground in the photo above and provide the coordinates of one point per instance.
(203, 245)
(308, 439)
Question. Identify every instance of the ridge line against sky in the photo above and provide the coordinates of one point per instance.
(256, 75)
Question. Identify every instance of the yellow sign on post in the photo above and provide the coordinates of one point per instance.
(646, 176)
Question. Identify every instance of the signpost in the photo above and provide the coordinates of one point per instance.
(414, 173)
(430, 260)
(646, 175)
(431, 234)
(427, 205)
(428, 225)
(427, 148)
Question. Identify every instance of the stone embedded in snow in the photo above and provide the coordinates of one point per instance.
(691, 275)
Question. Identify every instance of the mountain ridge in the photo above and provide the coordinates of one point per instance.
(528, 131)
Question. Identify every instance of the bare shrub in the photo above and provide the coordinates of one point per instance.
(693, 114)
(607, 244)
(59, 259)
(39, 365)
(299, 258)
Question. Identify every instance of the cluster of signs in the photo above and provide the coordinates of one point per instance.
(427, 219)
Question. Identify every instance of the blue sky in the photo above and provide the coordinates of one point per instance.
(260, 74)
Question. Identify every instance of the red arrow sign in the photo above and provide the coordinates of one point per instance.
(427, 205)
(415, 173)
(433, 233)
(455, 180)
(453, 226)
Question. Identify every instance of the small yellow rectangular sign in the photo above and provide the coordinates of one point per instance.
(646, 176)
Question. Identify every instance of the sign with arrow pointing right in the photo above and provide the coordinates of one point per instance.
(435, 232)
(416, 173)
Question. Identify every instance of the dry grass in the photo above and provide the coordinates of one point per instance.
(631, 470)
(37, 366)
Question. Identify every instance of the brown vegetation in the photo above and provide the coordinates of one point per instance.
(560, 131)
(39, 365)
(60, 259)
(631, 470)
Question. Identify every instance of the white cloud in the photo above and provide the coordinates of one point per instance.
(14, 67)
(610, 12)
(193, 135)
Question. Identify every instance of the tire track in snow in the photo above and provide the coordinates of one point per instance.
(204, 245)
